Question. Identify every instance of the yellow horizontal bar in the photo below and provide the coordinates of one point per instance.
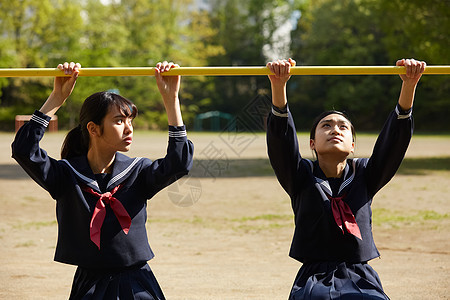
(222, 71)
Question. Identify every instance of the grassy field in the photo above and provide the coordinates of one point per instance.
(224, 231)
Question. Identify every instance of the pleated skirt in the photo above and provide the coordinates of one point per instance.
(337, 280)
(137, 282)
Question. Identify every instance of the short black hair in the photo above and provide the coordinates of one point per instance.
(312, 134)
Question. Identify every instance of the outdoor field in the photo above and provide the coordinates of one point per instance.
(224, 232)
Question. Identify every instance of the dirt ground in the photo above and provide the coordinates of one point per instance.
(224, 232)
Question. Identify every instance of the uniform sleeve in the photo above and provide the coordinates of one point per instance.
(283, 149)
(26, 151)
(389, 149)
(176, 164)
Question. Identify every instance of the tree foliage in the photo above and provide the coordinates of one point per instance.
(371, 32)
(43, 33)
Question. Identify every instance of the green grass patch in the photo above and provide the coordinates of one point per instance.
(386, 216)
(261, 222)
(25, 244)
(246, 223)
(231, 168)
(34, 225)
(420, 166)
(31, 198)
(258, 227)
(266, 217)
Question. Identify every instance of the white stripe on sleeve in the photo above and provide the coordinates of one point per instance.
(39, 120)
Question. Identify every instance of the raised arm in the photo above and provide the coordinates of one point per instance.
(178, 160)
(25, 148)
(169, 87)
(278, 81)
(62, 88)
(395, 136)
(414, 70)
(282, 144)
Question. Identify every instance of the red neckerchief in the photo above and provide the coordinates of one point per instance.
(343, 215)
(100, 212)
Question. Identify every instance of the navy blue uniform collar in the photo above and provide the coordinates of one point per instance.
(321, 179)
(123, 166)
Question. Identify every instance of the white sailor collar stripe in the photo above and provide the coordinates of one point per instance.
(350, 178)
(123, 166)
(325, 185)
(123, 173)
(92, 183)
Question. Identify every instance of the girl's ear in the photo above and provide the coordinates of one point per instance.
(93, 129)
(353, 148)
(312, 144)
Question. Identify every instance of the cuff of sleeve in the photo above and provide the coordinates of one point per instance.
(283, 113)
(40, 118)
(403, 114)
(177, 131)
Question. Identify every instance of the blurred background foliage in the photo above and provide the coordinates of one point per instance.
(113, 33)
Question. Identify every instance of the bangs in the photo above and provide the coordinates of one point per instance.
(312, 134)
(125, 106)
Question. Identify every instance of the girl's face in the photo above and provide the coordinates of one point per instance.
(333, 135)
(116, 133)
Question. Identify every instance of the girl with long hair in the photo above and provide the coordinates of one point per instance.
(101, 194)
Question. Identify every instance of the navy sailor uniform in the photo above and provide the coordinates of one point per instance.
(139, 179)
(335, 261)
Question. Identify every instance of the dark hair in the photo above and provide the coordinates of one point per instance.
(312, 134)
(94, 109)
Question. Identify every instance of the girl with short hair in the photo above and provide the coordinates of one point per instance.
(331, 197)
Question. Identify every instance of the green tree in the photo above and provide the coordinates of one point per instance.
(367, 32)
(33, 33)
(419, 29)
(121, 33)
(158, 31)
(245, 30)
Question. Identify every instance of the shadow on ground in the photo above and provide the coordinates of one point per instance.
(258, 167)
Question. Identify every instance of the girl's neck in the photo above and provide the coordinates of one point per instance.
(332, 168)
(99, 161)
